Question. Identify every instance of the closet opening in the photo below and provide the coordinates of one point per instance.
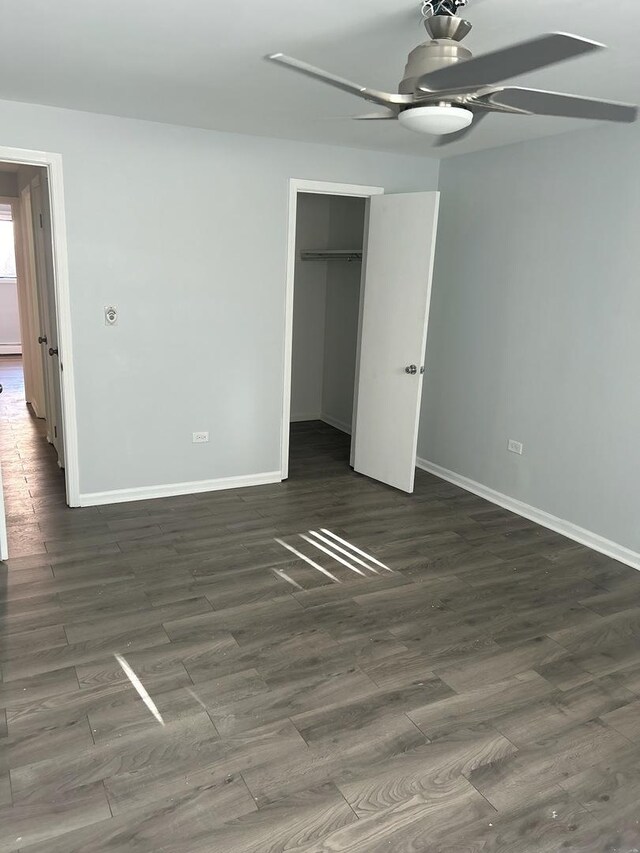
(358, 291)
(327, 299)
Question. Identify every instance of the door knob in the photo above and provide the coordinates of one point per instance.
(41, 339)
(53, 351)
(411, 369)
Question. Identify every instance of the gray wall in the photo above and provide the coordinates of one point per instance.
(535, 327)
(325, 310)
(346, 231)
(8, 184)
(184, 231)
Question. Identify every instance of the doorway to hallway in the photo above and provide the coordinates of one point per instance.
(33, 481)
(32, 190)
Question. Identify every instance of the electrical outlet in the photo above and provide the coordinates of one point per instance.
(515, 447)
(200, 437)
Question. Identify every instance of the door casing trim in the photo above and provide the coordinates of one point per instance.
(299, 185)
(52, 162)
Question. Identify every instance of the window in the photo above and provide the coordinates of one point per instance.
(7, 250)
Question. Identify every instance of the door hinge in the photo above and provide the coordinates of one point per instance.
(40, 216)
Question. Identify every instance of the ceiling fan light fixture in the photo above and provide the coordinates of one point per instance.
(436, 120)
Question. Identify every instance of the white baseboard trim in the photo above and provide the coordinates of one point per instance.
(545, 519)
(341, 425)
(34, 408)
(296, 419)
(10, 349)
(168, 490)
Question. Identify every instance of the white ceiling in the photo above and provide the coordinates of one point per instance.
(199, 62)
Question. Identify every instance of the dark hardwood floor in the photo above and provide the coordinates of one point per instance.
(466, 682)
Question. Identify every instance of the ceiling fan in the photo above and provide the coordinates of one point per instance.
(446, 91)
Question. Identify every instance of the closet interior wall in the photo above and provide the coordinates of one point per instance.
(326, 310)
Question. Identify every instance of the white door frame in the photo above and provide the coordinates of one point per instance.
(299, 185)
(53, 164)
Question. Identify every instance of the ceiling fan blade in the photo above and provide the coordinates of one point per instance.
(389, 115)
(374, 95)
(540, 102)
(449, 138)
(508, 62)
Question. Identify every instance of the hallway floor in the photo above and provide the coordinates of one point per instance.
(204, 673)
(33, 482)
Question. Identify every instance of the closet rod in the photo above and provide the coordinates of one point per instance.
(332, 255)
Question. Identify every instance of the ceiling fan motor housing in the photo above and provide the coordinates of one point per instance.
(444, 49)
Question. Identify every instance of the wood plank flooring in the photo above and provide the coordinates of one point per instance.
(465, 682)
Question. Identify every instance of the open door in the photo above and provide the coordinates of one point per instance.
(48, 337)
(395, 313)
(28, 299)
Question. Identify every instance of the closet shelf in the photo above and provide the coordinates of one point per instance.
(332, 255)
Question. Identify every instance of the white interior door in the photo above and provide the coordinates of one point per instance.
(47, 312)
(395, 313)
(28, 296)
